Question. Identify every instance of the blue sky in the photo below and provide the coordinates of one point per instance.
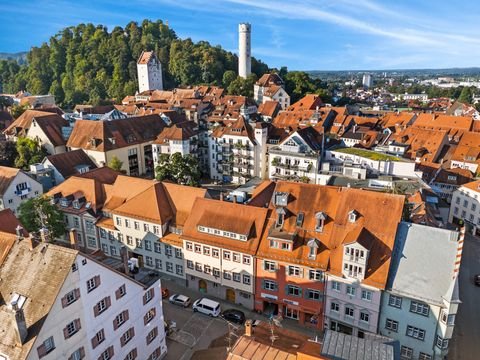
(300, 34)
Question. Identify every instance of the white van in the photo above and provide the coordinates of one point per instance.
(207, 307)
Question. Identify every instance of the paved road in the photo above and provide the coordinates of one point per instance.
(196, 331)
(465, 344)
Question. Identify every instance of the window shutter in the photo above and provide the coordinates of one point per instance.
(65, 333)
(115, 325)
(144, 299)
(110, 351)
(95, 310)
(145, 319)
(97, 280)
(154, 312)
(152, 293)
(64, 301)
(122, 341)
(125, 315)
(77, 293)
(134, 351)
(78, 326)
(132, 332)
(94, 342)
(42, 351)
(82, 352)
(108, 301)
(117, 294)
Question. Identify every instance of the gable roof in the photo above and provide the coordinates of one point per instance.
(269, 79)
(145, 57)
(308, 102)
(7, 174)
(67, 163)
(38, 275)
(226, 216)
(269, 108)
(182, 131)
(151, 205)
(375, 233)
(50, 123)
(239, 127)
(107, 135)
(418, 276)
(8, 226)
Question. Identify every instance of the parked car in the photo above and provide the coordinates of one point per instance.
(234, 315)
(165, 293)
(179, 299)
(476, 279)
(207, 307)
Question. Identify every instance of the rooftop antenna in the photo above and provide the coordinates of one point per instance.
(274, 321)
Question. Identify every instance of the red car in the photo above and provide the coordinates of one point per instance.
(165, 293)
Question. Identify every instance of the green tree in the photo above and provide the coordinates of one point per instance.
(241, 86)
(28, 152)
(179, 169)
(115, 164)
(466, 95)
(228, 77)
(18, 110)
(38, 213)
(8, 153)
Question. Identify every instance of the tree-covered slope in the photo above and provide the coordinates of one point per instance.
(86, 63)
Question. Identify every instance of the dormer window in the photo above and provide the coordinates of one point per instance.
(320, 218)
(300, 218)
(352, 216)
(280, 216)
(76, 204)
(64, 202)
(280, 199)
(312, 248)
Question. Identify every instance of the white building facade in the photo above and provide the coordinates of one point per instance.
(102, 314)
(17, 187)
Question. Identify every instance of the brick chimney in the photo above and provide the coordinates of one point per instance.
(31, 241)
(124, 255)
(248, 328)
(20, 233)
(19, 323)
(73, 238)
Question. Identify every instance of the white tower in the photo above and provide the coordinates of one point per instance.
(149, 71)
(244, 50)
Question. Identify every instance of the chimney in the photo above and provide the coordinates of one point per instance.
(73, 238)
(124, 255)
(44, 235)
(20, 233)
(248, 328)
(20, 325)
(31, 242)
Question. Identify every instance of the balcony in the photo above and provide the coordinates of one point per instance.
(22, 192)
(307, 154)
(284, 177)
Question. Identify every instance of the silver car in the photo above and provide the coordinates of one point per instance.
(180, 300)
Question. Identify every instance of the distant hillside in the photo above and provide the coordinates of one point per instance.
(87, 63)
(20, 57)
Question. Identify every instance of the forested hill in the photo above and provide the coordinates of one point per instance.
(86, 63)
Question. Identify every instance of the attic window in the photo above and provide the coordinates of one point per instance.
(300, 217)
(452, 178)
(312, 248)
(280, 199)
(352, 216)
(319, 221)
(280, 216)
(64, 202)
(76, 204)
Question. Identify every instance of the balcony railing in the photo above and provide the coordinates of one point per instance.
(23, 191)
